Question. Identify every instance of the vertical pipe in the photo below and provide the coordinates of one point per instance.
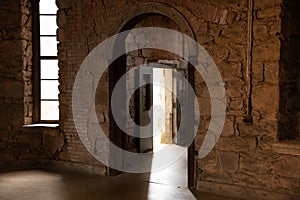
(248, 117)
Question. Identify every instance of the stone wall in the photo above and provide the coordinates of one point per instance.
(248, 161)
(246, 154)
(11, 86)
(244, 163)
(19, 146)
(289, 72)
(77, 35)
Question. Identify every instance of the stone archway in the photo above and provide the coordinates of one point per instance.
(155, 8)
(118, 68)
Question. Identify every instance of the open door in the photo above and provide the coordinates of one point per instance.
(170, 92)
(145, 76)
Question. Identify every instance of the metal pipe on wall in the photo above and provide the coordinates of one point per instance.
(248, 117)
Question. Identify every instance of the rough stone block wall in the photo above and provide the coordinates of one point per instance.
(11, 66)
(244, 156)
(248, 161)
(19, 146)
(247, 155)
(11, 86)
(77, 36)
(289, 72)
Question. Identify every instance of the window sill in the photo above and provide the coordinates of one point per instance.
(287, 147)
(41, 126)
(44, 129)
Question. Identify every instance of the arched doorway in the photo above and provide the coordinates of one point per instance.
(147, 15)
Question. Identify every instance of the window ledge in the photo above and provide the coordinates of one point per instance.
(44, 129)
(41, 126)
(287, 147)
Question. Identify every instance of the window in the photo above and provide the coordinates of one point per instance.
(45, 62)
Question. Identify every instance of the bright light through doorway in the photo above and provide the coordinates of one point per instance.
(162, 96)
(176, 173)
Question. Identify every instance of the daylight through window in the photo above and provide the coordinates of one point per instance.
(48, 61)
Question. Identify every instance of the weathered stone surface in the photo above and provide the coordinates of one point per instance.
(101, 94)
(10, 10)
(235, 35)
(287, 147)
(268, 51)
(241, 191)
(263, 5)
(234, 93)
(271, 72)
(211, 167)
(236, 104)
(288, 167)
(263, 98)
(260, 30)
(237, 53)
(210, 158)
(62, 4)
(236, 144)
(53, 144)
(245, 153)
(229, 161)
(218, 176)
(10, 48)
(228, 128)
(205, 39)
(11, 88)
(266, 128)
(218, 52)
(256, 180)
(284, 185)
(204, 106)
(258, 72)
(271, 12)
(230, 71)
(249, 164)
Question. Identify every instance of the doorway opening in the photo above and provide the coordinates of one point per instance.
(166, 122)
(159, 113)
(145, 56)
(163, 96)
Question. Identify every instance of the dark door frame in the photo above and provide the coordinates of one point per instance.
(116, 70)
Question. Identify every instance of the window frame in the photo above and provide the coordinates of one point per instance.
(36, 60)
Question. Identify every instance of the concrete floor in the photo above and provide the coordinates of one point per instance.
(169, 183)
(46, 185)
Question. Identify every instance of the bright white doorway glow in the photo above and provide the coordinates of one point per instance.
(176, 173)
(162, 97)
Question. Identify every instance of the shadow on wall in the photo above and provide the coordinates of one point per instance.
(289, 73)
